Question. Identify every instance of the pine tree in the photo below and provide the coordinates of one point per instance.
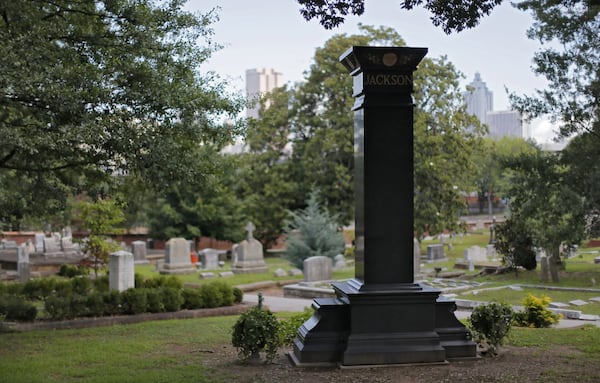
(312, 232)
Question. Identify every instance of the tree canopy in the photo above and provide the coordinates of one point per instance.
(569, 60)
(453, 16)
(304, 140)
(97, 87)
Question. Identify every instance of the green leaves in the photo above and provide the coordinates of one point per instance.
(569, 61)
(112, 86)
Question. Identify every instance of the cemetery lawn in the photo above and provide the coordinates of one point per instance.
(199, 350)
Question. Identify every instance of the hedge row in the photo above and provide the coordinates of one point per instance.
(81, 297)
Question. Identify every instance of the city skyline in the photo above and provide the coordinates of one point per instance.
(273, 34)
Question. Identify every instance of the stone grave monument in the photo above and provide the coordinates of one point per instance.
(247, 256)
(177, 257)
(23, 263)
(139, 252)
(317, 268)
(209, 258)
(122, 274)
(382, 316)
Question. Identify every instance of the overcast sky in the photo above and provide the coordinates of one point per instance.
(273, 34)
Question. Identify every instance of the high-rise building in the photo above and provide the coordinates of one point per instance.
(479, 99)
(505, 123)
(258, 82)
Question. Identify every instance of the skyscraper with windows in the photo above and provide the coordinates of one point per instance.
(480, 103)
(258, 82)
(479, 99)
(505, 123)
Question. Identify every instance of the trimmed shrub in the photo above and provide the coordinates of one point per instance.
(17, 308)
(135, 301)
(113, 303)
(226, 293)
(95, 304)
(102, 283)
(57, 307)
(71, 271)
(288, 329)
(192, 298)
(256, 330)
(491, 323)
(212, 295)
(162, 281)
(536, 313)
(238, 295)
(155, 304)
(81, 285)
(44, 287)
(171, 298)
(138, 281)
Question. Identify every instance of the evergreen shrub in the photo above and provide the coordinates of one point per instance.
(238, 295)
(14, 307)
(172, 299)
(154, 298)
(135, 301)
(192, 298)
(491, 324)
(288, 329)
(256, 330)
(536, 313)
(312, 232)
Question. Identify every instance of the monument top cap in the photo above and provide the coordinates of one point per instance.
(361, 58)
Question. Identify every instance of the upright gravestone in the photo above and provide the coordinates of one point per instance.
(23, 263)
(121, 271)
(39, 242)
(317, 268)
(139, 252)
(247, 256)
(209, 258)
(177, 257)
(382, 316)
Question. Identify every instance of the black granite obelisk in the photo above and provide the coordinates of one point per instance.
(382, 316)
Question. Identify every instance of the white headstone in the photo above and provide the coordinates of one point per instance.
(177, 257)
(23, 263)
(39, 242)
(209, 258)
(318, 268)
(52, 245)
(122, 274)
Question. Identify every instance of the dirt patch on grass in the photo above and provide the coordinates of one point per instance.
(513, 364)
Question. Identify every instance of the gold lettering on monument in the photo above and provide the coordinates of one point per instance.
(388, 79)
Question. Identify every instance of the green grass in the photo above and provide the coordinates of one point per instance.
(273, 263)
(585, 339)
(147, 352)
(178, 350)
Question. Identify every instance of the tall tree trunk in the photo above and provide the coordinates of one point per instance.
(489, 200)
(553, 260)
(544, 268)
